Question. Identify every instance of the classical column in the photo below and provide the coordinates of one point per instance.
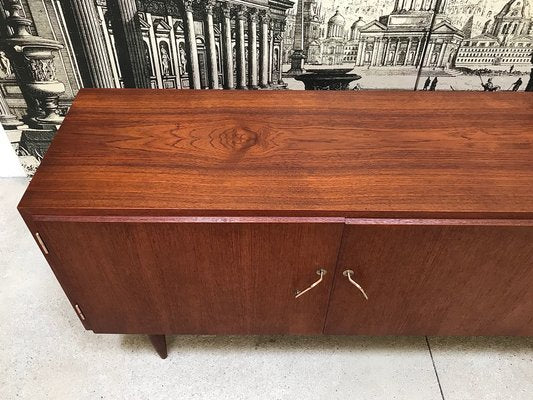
(373, 53)
(386, 55)
(379, 59)
(407, 52)
(358, 54)
(211, 47)
(441, 54)
(417, 52)
(361, 52)
(241, 49)
(396, 51)
(427, 61)
(190, 37)
(227, 47)
(270, 51)
(382, 45)
(263, 67)
(282, 25)
(97, 70)
(131, 53)
(280, 62)
(252, 49)
(380, 51)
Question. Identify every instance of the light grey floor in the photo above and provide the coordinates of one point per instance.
(46, 354)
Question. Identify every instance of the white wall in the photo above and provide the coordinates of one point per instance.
(9, 162)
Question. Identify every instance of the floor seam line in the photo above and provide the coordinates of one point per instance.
(434, 368)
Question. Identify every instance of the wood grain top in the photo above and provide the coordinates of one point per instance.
(290, 153)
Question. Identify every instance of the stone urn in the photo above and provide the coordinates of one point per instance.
(33, 61)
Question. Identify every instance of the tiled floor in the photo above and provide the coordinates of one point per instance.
(46, 354)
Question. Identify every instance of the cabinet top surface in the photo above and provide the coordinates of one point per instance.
(290, 153)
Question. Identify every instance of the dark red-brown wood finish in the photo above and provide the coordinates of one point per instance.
(205, 212)
(434, 280)
(291, 153)
(160, 344)
(218, 278)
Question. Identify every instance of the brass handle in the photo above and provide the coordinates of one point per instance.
(320, 272)
(348, 273)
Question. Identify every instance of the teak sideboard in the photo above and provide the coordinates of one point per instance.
(268, 212)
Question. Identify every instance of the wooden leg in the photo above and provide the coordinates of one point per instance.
(160, 344)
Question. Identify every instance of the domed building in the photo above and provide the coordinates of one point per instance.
(332, 49)
(505, 40)
(351, 46)
(355, 29)
(336, 26)
(513, 20)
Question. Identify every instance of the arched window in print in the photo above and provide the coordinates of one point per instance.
(147, 58)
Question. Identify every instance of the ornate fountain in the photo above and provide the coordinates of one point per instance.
(327, 78)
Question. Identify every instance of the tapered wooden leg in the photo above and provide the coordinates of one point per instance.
(160, 344)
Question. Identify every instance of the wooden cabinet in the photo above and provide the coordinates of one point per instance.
(191, 212)
(433, 278)
(195, 278)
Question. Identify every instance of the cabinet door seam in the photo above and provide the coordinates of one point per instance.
(332, 286)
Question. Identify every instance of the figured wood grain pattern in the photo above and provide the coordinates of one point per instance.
(369, 154)
(195, 278)
(434, 280)
(199, 212)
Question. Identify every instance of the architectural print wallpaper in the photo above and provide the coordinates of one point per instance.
(49, 49)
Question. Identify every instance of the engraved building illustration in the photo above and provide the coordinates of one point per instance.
(49, 49)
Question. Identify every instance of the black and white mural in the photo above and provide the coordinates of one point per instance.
(419, 44)
(50, 49)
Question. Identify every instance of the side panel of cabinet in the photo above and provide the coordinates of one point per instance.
(434, 280)
(197, 278)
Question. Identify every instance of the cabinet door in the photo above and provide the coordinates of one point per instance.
(198, 278)
(434, 280)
